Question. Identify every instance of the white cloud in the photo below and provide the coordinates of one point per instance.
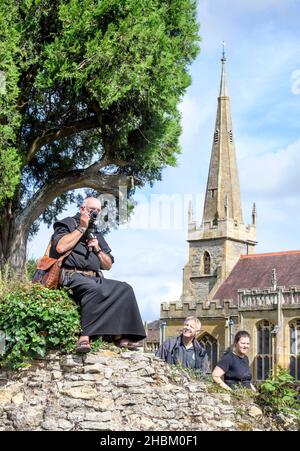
(195, 114)
(273, 173)
(143, 256)
(152, 262)
(161, 290)
(248, 146)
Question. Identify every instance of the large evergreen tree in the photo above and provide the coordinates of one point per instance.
(90, 97)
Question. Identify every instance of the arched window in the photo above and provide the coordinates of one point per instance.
(210, 344)
(206, 261)
(264, 350)
(295, 349)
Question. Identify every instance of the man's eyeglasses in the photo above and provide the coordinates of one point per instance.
(90, 210)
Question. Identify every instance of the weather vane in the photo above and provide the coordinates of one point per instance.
(223, 53)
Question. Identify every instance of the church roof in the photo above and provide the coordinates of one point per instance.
(255, 271)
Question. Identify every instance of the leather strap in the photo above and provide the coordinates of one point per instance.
(82, 271)
(62, 257)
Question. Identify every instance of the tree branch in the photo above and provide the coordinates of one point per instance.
(81, 178)
(66, 130)
(26, 82)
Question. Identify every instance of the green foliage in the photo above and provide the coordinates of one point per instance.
(31, 266)
(191, 374)
(240, 393)
(97, 344)
(36, 320)
(9, 115)
(196, 375)
(9, 170)
(9, 281)
(121, 63)
(278, 391)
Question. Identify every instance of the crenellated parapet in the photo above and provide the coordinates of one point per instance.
(228, 228)
(248, 300)
(208, 309)
(268, 298)
(291, 296)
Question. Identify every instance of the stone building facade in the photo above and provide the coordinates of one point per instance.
(225, 284)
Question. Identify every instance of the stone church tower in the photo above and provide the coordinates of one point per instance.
(215, 247)
(228, 286)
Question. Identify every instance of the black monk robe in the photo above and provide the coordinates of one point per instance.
(107, 307)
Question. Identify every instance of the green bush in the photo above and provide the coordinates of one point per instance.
(31, 265)
(36, 320)
(278, 391)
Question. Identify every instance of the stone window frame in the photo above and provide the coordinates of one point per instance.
(211, 345)
(206, 263)
(294, 348)
(264, 339)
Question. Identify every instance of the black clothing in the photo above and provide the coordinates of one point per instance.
(237, 370)
(187, 356)
(80, 257)
(107, 307)
(173, 351)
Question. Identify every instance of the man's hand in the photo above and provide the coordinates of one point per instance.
(105, 260)
(84, 219)
(93, 243)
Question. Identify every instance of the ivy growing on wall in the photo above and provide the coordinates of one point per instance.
(35, 320)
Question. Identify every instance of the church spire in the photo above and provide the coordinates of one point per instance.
(223, 85)
(222, 200)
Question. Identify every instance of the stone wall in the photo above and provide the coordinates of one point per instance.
(109, 391)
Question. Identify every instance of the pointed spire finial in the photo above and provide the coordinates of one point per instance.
(190, 212)
(223, 86)
(254, 214)
(223, 52)
(274, 279)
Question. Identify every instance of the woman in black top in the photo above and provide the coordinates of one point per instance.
(234, 366)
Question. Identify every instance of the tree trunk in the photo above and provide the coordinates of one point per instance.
(13, 241)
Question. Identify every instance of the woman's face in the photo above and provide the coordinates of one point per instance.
(243, 345)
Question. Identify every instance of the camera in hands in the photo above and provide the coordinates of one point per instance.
(92, 227)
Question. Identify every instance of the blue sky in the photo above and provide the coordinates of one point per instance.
(263, 69)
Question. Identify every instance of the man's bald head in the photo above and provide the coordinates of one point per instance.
(91, 203)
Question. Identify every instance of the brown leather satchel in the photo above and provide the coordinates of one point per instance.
(49, 269)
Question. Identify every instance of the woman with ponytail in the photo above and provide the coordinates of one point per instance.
(234, 365)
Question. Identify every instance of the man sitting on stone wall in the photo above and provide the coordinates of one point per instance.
(185, 350)
(107, 307)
